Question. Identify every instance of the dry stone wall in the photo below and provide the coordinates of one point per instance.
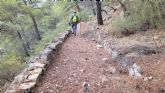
(131, 67)
(25, 82)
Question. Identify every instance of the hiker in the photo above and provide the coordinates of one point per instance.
(73, 22)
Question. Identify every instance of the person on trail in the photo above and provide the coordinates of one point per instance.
(73, 22)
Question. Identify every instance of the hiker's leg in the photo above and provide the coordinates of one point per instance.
(75, 28)
(72, 28)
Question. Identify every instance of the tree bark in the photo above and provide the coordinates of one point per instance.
(93, 9)
(23, 44)
(22, 41)
(38, 36)
(99, 15)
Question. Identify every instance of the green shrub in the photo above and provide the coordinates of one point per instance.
(10, 66)
(47, 37)
(141, 15)
(131, 23)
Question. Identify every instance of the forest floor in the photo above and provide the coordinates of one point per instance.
(82, 67)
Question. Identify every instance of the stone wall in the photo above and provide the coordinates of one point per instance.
(131, 67)
(24, 82)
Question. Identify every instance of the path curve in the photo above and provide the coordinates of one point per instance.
(78, 68)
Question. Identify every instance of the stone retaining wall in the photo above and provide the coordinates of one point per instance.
(24, 82)
(131, 67)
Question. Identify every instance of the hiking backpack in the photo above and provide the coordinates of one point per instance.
(75, 19)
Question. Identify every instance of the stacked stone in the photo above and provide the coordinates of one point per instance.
(26, 81)
(132, 68)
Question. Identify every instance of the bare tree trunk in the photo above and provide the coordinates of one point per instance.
(22, 41)
(23, 44)
(99, 15)
(93, 9)
(38, 36)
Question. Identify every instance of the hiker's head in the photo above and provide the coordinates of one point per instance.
(74, 13)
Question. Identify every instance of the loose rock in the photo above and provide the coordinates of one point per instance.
(99, 46)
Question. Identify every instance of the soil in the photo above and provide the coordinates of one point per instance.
(78, 68)
(82, 67)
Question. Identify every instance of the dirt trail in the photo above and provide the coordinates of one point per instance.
(78, 68)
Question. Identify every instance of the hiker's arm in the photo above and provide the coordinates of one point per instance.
(70, 21)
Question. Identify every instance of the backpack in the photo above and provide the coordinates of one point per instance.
(75, 19)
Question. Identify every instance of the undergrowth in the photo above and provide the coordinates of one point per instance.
(141, 16)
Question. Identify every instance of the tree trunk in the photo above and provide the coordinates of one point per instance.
(22, 41)
(93, 9)
(23, 44)
(38, 36)
(99, 15)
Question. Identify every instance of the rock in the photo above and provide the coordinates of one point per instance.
(28, 85)
(19, 78)
(136, 67)
(33, 77)
(51, 91)
(36, 65)
(135, 55)
(99, 46)
(38, 70)
(148, 78)
(82, 70)
(156, 37)
(135, 71)
(86, 86)
(45, 54)
(161, 91)
(97, 27)
(93, 39)
(51, 46)
(112, 70)
(145, 79)
(104, 59)
(104, 79)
